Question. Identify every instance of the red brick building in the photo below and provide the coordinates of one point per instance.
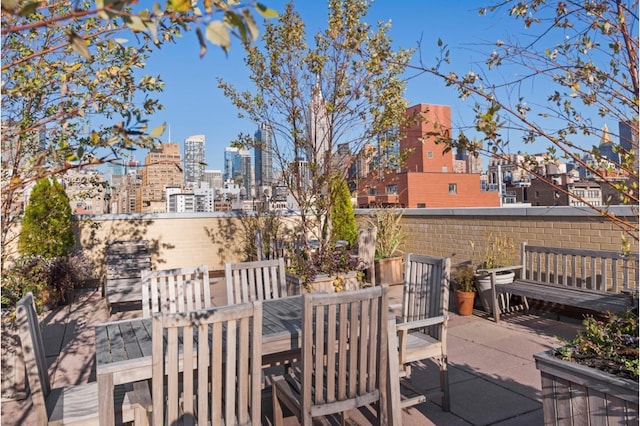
(427, 178)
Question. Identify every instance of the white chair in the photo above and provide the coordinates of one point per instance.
(71, 404)
(175, 290)
(260, 280)
(344, 357)
(422, 331)
(198, 379)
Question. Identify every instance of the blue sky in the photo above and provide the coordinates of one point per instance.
(194, 104)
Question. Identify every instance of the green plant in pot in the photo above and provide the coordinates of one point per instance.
(499, 252)
(464, 278)
(389, 240)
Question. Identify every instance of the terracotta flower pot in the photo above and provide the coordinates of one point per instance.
(465, 302)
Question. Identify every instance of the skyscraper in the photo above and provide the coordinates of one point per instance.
(162, 169)
(230, 159)
(263, 157)
(194, 160)
(317, 128)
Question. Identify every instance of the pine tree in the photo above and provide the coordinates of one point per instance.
(344, 220)
(46, 227)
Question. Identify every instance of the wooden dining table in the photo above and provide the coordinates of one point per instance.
(123, 352)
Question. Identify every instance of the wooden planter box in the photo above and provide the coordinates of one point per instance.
(573, 394)
(389, 271)
(323, 283)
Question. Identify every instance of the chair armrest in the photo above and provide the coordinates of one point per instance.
(421, 323)
(394, 306)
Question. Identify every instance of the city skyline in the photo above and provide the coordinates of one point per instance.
(194, 104)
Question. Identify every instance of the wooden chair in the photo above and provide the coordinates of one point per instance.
(260, 280)
(367, 252)
(124, 261)
(175, 290)
(208, 381)
(422, 332)
(344, 357)
(72, 404)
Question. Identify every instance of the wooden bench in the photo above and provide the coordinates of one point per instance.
(125, 260)
(596, 280)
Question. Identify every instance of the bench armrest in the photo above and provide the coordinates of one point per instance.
(501, 269)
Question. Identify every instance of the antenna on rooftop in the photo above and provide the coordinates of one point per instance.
(169, 133)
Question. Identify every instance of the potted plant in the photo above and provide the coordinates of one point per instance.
(390, 237)
(499, 252)
(594, 376)
(328, 270)
(464, 278)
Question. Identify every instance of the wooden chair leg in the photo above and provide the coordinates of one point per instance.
(444, 384)
(277, 408)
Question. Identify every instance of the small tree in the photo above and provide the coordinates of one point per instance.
(46, 227)
(342, 86)
(344, 226)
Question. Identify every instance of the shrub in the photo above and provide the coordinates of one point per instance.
(50, 280)
(47, 226)
(610, 345)
(344, 226)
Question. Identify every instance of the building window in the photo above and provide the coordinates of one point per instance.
(453, 188)
(372, 191)
(392, 189)
(421, 205)
(429, 154)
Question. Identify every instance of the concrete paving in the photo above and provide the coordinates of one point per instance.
(492, 372)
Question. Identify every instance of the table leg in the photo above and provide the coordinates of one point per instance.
(393, 377)
(106, 400)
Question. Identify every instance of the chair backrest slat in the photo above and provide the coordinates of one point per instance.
(34, 354)
(344, 349)
(261, 280)
(207, 366)
(426, 288)
(175, 290)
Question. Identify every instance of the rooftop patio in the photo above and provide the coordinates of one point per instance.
(492, 371)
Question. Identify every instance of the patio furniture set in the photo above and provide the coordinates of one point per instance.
(188, 362)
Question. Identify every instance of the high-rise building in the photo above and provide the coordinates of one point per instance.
(263, 156)
(317, 128)
(161, 170)
(628, 135)
(230, 160)
(244, 173)
(194, 160)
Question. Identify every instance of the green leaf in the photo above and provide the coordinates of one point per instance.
(28, 8)
(156, 132)
(265, 11)
(79, 45)
(9, 5)
(217, 34)
(135, 23)
(180, 5)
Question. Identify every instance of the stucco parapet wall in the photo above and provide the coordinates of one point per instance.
(620, 211)
(152, 216)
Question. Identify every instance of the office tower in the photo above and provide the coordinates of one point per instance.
(264, 156)
(194, 160)
(161, 170)
(317, 128)
(628, 135)
(244, 173)
(230, 159)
